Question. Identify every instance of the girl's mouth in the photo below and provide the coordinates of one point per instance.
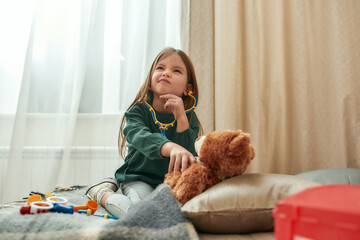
(164, 80)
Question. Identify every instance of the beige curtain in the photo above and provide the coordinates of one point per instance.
(286, 71)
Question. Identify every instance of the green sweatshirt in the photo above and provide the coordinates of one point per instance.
(144, 161)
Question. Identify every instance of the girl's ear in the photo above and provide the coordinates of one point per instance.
(188, 88)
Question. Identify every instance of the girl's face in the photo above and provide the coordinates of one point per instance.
(170, 76)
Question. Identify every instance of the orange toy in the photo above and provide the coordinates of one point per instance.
(33, 198)
(91, 204)
(223, 154)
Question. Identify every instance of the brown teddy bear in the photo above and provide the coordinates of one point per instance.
(222, 154)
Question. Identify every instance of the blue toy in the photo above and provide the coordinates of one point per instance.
(88, 212)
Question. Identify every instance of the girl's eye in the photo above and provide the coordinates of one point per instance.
(160, 68)
(177, 71)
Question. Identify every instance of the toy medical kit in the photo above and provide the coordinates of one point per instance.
(164, 126)
(55, 204)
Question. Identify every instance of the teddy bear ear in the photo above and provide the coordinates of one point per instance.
(239, 143)
(252, 151)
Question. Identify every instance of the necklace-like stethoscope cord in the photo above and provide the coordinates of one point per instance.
(165, 126)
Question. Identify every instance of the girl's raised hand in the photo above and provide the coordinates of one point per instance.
(177, 108)
(176, 104)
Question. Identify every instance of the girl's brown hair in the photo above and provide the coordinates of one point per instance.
(146, 94)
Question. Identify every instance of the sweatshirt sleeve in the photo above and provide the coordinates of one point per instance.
(140, 136)
(187, 138)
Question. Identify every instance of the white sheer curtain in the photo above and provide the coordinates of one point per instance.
(68, 70)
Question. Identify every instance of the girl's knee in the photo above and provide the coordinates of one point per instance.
(136, 190)
(118, 204)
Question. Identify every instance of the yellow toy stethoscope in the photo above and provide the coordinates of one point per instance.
(164, 126)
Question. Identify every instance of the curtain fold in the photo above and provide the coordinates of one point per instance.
(286, 72)
(200, 47)
(85, 62)
(69, 88)
(16, 154)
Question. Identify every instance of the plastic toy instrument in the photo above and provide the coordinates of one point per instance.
(90, 205)
(59, 200)
(56, 204)
(165, 126)
(34, 198)
(88, 212)
(36, 207)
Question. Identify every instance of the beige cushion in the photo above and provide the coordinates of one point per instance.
(333, 175)
(242, 204)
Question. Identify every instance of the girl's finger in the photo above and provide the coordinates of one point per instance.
(171, 165)
(192, 159)
(184, 164)
(177, 164)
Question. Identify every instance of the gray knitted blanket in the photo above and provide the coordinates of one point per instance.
(157, 217)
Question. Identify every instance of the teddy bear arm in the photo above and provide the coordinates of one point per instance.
(211, 180)
(191, 183)
(171, 179)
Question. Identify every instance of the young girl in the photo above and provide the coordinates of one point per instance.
(159, 130)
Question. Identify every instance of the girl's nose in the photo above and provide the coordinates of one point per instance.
(166, 74)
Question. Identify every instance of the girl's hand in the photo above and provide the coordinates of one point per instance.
(177, 108)
(176, 104)
(179, 157)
